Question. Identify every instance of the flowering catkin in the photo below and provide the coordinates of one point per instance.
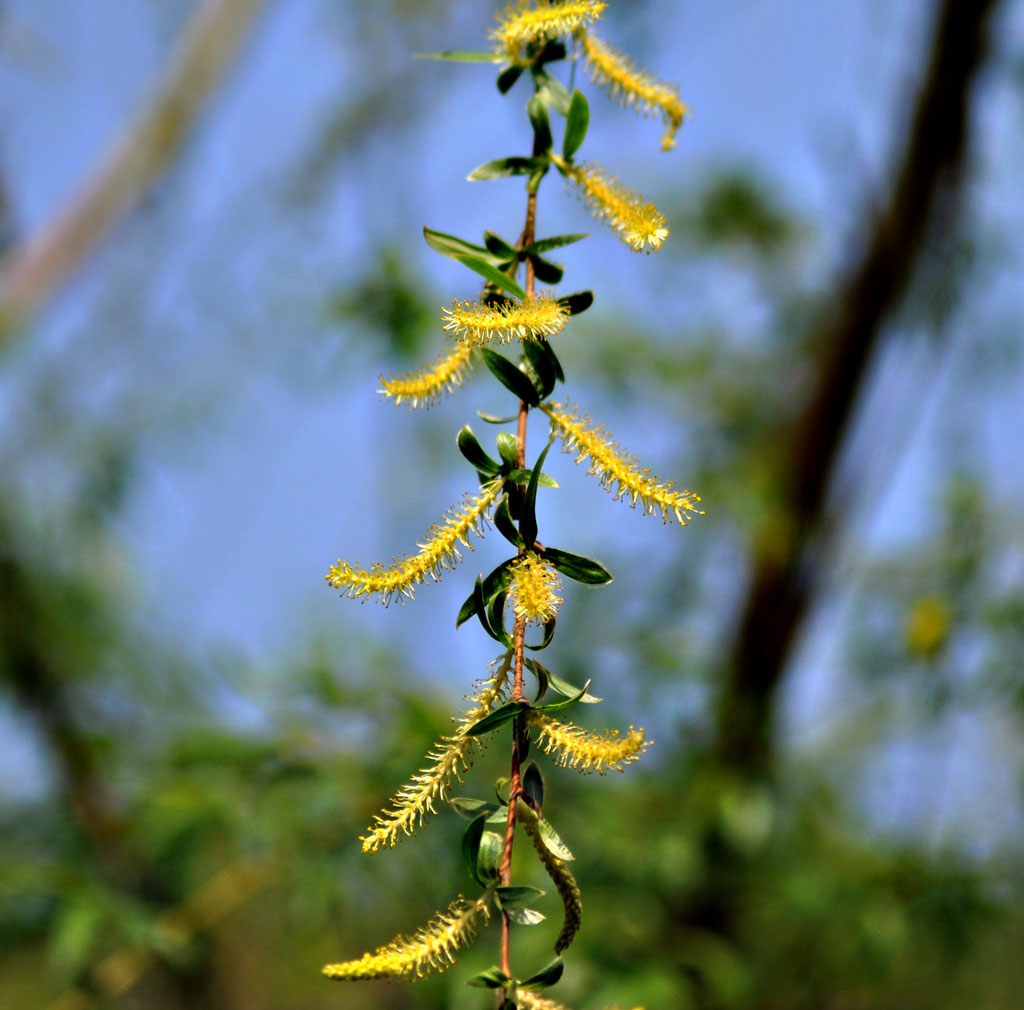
(440, 551)
(631, 86)
(450, 756)
(429, 950)
(426, 385)
(617, 470)
(638, 223)
(533, 589)
(561, 877)
(524, 22)
(574, 747)
(533, 319)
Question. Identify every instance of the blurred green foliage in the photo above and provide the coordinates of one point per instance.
(701, 890)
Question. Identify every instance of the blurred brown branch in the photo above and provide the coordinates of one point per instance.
(34, 269)
(787, 567)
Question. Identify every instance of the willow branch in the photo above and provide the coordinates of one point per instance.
(36, 268)
(786, 576)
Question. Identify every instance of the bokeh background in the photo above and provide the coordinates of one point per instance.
(211, 213)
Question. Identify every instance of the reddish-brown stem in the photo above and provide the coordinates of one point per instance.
(518, 637)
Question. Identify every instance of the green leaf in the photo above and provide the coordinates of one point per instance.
(449, 245)
(545, 271)
(508, 77)
(542, 678)
(537, 110)
(578, 302)
(493, 978)
(493, 274)
(555, 242)
(518, 896)
(503, 168)
(508, 447)
(545, 978)
(497, 580)
(543, 361)
(528, 520)
(480, 606)
(523, 477)
(499, 247)
(493, 419)
(471, 844)
(500, 716)
(510, 377)
(553, 50)
(470, 808)
(526, 916)
(553, 91)
(552, 842)
(496, 619)
(533, 784)
(505, 526)
(459, 56)
(567, 690)
(577, 567)
(468, 608)
(549, 633)
(474, 451)
(576, 122)
(489, 858)
(560, 706)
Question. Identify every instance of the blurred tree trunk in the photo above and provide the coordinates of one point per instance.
(787, 571)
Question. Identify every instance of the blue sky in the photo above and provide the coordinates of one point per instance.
(212, 297)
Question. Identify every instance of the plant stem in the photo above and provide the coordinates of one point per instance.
(518, 636)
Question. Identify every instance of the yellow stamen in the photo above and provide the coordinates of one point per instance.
(573, 747)
(640, 225)
(451, 755)
(533, 589)
(524, 22)
(629, 85)
(530, 320)
(561, 876)
(615, 468)
(440, 551)
(431, 949)
(428, 384)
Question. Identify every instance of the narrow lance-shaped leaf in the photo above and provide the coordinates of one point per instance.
(460, 56)
(528, 520)
(578, 302)
(510, 377)
(576, 122)
(500, 716)
(544, 245)
(451, 245)
(493, 978)
(493, 274)
(471, 844)
(503, 168)
(577, 567)
(505, 526)
(470, 447)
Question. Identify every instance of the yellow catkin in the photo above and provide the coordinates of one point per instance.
(638, 223)
(533, 319)
(429, 950)
(525, 22)
(427, 385)
(533, 589)
(532, 1001)
(450, 756)
(617, 470)
(439, 551)
(631, 86)
(561, 877)
(574, 747)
